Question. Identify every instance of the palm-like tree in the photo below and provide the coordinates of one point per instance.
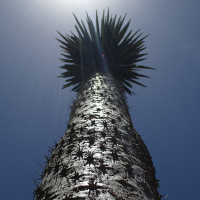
(100, 156)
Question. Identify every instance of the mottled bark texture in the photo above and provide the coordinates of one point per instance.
(101, 156)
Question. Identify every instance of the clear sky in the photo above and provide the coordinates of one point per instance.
(34, 110)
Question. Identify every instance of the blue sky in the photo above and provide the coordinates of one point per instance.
(34, 110)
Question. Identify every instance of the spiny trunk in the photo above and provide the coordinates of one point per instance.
(101, 156)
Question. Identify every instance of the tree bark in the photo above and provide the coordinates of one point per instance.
(101, 156)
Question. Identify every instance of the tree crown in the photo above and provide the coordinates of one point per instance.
(107, 48)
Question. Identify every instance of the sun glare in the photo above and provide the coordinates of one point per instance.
(77, 6)
(68, 5)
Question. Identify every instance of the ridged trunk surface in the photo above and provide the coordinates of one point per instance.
(101, 156)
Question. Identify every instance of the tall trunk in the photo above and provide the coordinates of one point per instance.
(101, 156)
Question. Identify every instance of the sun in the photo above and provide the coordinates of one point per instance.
(67, 4)
(76, 6)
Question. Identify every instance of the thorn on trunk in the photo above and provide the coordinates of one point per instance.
(40, 165)
(105, 125)
(93, 123)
